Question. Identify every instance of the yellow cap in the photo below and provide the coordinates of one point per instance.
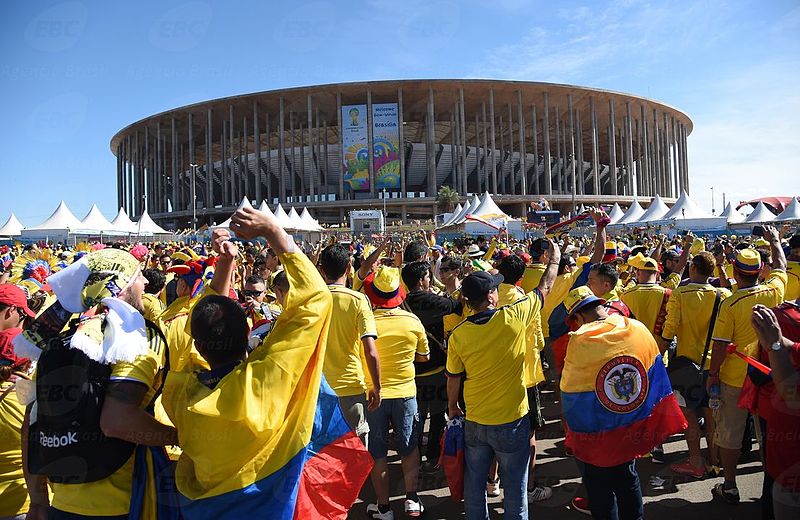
(578, 298)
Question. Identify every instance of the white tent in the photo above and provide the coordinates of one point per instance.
(12, 227)
(656, 211)
(488, 210)
(61, 218)
(686, 208)
(468, 209)
(732, 215)
(616, 213)
(227, 224)
(146, 225)
(264, 208)
(282, 217)
(760, 214)
(308, 221)
(294, 219)
(451, 216)
(96, 220)
(633, 214)
(123, 223)
(791, 212)
(581, 209)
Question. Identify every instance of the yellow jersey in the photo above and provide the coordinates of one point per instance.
(400, 336)
(645, 301)
(688, 318)
(489, 349)
(534, 374)
(351, 321)
(13, 492)
(733, 324)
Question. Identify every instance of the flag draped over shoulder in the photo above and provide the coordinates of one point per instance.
(616, 397)
(269, 440)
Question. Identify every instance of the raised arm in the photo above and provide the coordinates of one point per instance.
(550, 273)
(601, 221)
(372, 259)
(226, 264)
(778, 256)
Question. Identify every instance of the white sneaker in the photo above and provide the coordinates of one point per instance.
(375, 513)
(493, 488)
(412, 508)
(540, 493)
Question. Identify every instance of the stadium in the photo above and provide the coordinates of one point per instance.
(392, 145)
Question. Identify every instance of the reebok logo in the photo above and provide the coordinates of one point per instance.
(56, 441)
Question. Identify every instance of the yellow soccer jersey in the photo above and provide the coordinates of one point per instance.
(688, 315)
(534, 374)
(400, 336)
(13, 492)
(351, 321)
(489, 349)
(645, 301)
(733, 324)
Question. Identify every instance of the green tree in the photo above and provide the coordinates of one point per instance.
(446, 199)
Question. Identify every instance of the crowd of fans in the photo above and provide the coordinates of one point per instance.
(641, 336)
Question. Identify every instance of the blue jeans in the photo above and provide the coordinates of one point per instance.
(400, 414)
(614, 493)
(509, 444)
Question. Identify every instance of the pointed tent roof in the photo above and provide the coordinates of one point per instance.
(488, 210)
(282, 217)
(467, 210)
(686, 208)
(308, 221)
(733, 215)
(633, 214)
(581, 209)
(96, 220)
(147, 225)
(294, 219)
(656, 211)
(616, 213)
(760, 214)
(12, 227)
(792, 211)
(264, 208)
(227, 224)
(454, 214)
(123, 223)
(61, 218)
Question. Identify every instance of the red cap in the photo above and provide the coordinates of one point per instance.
(13, 296)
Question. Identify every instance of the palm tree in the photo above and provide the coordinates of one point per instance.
(446, 199)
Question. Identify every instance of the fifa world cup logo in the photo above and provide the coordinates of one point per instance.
(353, 116)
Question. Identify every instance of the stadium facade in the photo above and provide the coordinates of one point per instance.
(393, 144)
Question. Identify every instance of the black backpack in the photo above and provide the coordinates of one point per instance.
(66, 442)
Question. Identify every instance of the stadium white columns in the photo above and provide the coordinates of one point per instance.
(494, 144)
(548, 174)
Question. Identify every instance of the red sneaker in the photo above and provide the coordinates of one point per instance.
(686, 468)
(581, 505)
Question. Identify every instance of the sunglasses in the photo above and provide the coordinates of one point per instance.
(166, 261)
(253, 294)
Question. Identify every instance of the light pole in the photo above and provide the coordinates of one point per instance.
(194, 199)
(384, 206)
(712, 201)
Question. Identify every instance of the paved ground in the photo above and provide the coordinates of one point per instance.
(682, 498)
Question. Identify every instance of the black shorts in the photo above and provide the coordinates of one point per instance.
(535, 408)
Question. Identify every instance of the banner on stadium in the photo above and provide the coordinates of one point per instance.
(386, 141)
(355, 147)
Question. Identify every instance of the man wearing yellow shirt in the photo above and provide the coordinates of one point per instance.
(689, 316)
(401, 341)
(508, 293)
(131, 387)
(727, 372)
(487, 352)
(647, 299)
(351, 334)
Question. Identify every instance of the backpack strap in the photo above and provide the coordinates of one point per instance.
(711, 323)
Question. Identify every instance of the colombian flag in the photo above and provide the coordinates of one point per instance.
(617, 400)
(268, 440)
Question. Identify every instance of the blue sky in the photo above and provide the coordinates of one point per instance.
(74, 73)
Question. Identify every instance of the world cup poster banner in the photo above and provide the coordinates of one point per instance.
(386, 140)
(355, 146)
